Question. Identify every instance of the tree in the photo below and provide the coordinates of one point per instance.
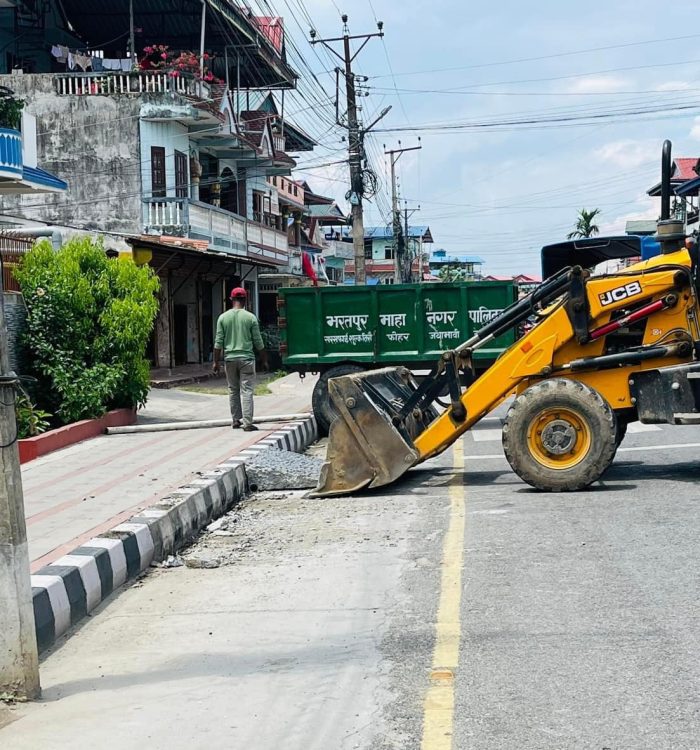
(451, 272)
(88, 322)
(584, 224)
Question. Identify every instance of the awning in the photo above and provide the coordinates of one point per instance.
(34, 180)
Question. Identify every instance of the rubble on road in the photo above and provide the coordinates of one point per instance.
(202, 560)
(282, 470)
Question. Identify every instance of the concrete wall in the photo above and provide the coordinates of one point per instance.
(92, 142)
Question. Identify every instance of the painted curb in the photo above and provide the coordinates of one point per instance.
(67, 590)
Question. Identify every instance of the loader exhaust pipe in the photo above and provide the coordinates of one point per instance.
(666, 166)
(670, 233)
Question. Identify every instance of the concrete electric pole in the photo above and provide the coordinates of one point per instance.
(19, 661)
(355, 137)
(399, 240)
(407, 269)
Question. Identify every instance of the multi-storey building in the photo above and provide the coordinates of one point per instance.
(163, 157)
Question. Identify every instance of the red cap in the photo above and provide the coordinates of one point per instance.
(238, 293)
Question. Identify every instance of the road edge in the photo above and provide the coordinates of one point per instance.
(68, 589)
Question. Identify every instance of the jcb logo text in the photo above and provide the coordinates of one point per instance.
(620, 293)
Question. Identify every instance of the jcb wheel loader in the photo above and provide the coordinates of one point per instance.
(606, 350)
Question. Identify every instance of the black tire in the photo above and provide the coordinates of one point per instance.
(536, 437)
(320, 401)
(623, 418)
(620, 430)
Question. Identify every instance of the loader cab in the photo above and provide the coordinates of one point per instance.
(594, 251)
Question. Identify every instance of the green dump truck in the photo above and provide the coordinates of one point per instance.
(337, 330)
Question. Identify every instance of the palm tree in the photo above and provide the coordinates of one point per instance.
(584, 224)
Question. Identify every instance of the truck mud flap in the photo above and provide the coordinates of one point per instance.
(367, 447)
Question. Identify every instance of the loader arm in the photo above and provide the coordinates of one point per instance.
(551, 346)
(387, 424)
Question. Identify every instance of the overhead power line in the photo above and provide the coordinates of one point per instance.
(537, 58)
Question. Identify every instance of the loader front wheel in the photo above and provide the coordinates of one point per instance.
(560, 435)
(321, 404)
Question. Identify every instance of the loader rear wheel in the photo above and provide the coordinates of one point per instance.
(320, 400)
(560, 435)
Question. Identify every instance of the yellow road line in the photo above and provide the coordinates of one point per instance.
(438, 709)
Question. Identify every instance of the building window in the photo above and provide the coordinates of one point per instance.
(181, 180)
(388, 252)
(274, 181)
(158, 172)
(295, 190)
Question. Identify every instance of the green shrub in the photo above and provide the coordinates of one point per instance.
(31, 420)
(88, 322)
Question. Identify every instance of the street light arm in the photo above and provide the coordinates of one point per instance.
(382, 114)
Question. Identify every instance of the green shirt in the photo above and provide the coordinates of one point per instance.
(237, 332)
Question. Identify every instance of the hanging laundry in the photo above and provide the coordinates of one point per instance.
(71, 61)
(82, 61)
(110, 64)
(97, 65)
(126, 65)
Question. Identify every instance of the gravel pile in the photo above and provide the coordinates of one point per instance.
(283, 470)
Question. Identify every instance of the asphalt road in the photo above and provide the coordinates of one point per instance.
(458, 610)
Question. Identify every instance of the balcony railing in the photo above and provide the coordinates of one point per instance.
(266, 237)
(138, 82)
(10, 154)
(224, 231)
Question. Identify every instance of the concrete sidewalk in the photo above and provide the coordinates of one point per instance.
(81, 491)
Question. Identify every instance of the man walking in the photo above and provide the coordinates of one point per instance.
(237, 336)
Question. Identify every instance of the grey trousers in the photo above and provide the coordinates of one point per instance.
(240, 375)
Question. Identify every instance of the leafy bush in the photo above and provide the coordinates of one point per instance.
(31, 420)
(88, 322)
(10, 109)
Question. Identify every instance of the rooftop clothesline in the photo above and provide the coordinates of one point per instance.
(95, 62)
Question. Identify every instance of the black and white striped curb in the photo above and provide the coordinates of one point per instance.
(68, 589)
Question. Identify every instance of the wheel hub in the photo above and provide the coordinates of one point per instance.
(559, 437)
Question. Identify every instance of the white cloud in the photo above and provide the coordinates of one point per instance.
(674, 86)
(695, 129)
(629, 153)
(617, 226)
(598, 84)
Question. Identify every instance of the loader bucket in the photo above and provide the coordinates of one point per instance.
(365, 447)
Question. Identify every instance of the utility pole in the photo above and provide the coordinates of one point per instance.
(407, 269)
(400, 239)
(355, 137)
(19, 661)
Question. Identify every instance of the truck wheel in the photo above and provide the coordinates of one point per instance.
(320, 401)
(560, 435)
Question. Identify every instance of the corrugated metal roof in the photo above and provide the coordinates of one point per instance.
(386, 232)
(325, 210)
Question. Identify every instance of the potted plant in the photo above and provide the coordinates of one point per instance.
(10, 109)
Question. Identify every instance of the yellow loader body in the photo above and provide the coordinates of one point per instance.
(598, 332)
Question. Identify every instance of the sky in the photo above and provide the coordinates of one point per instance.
(612, 79)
